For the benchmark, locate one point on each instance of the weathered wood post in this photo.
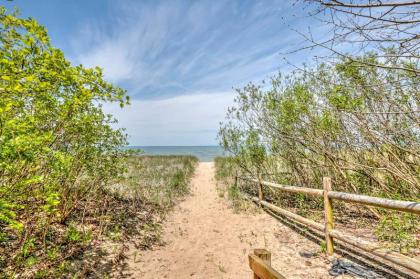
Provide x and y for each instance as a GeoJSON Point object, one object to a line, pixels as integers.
{"type": "Point", "coordinates": [260, 264]}
{"type": "Point", "coordinates": [328, 216]}
{"type": "Point", "coordinates": [236, 179]}
{"type": "Point", "coordinates": [265, 256]}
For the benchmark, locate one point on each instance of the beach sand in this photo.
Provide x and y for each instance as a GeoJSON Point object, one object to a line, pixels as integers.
{"type": "Point", "coordinates": [205, 238]}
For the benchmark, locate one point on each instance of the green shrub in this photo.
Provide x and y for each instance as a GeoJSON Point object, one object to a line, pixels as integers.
{"type": "Point", "coordinates": [348, 119]}
{"type": "Point", "coordinates": [58, 149]}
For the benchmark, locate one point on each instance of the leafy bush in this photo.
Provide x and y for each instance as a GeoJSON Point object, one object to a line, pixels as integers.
{"type": "Point", "coordinates": [58, 150]}
{"type": "Point", "coordinates": [355, 123]}
{"type": "Point", "coordinates": [349, 121]}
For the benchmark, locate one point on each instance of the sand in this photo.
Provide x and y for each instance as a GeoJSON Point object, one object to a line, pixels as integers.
{"type": "Point", "coordinates": [205, 238]}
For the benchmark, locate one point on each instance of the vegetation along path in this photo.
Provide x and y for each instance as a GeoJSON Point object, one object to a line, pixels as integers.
{"type": "Point", "coordinates": [205, 238]}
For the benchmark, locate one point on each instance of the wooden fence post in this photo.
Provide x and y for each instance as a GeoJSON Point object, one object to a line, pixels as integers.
{"type": "Point", "coordinates": [236, 179]}
{"type": "Point", "coordinates": [265, 256]}
{"type": "Point", "coordinates": [328, 216]}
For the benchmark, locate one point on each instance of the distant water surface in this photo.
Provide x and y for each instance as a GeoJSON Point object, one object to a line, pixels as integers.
{"type": "Point", "coordinates": [203, 153]}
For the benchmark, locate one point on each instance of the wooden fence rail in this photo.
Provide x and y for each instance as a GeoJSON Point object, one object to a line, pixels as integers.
{"type": "Point", "coordinates": [328, 227]}
{"type": "Point", "coordinates": [260, 264]}
{"type": "Point", "coordinates": [406, 206]}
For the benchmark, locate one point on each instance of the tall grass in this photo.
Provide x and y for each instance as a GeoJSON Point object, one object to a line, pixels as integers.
{"type": "Point", "coordinates": [157, 180]}
{"type": "Point", "coordinates": [225, 172]}
{"type": "Point", "coordinates": [94, 240]}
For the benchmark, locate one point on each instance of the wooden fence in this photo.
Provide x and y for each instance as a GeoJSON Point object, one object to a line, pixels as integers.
{"type": "Point", "coordinates": [260, 264]}
{"type": "Point", "coordinates": [327, 228]}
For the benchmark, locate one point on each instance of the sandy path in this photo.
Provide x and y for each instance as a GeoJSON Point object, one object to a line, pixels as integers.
{"type": "Point", "coordinates": [206, 239]}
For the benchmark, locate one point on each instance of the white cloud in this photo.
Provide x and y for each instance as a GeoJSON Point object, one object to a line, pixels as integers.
{"type": "Point", "coordinates": [164, 49]}
{"type": "Point", "coordinates": [182, 120]}
{"type": "Point", "coordinates": [114, 59]}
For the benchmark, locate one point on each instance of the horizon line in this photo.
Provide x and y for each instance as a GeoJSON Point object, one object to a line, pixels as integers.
{"type": "Point", "coordinates": [173, 145]}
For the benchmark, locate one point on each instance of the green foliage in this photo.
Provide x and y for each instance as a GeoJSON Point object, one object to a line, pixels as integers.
{"type": "Point", "coordinates": [179, 182]}
{"type": "Point", "coordinates": [225, 168]}
{"type": "Point", "coordinates": [72, 235]}
{"type": "Point", "coordinates": [137, 202]}
{"type": "Point", "coordinates": [58, 149]}
{"type": "Point", "coordinates": [323, 247]}
{"type": "Point", "coordinates": [235, 196]}
{"type": "Point", "coordinates": [115, 233]}
{"type": "Point", "coordinates": [351, 120]}
{"type": "Point", "coordinates": [343, 120]}
{"type": "Point", "coordinates": [28, 247]}
{"type": "Point", "coordinates": [152, 185]}
{"type": "Point", "coordinates": [225, 171]}
{"type": "Point", "coordinates": [399, 230]}
{"type": "Point", "coordinates": [158, 180]}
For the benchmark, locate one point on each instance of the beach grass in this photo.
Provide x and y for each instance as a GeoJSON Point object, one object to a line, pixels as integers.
{"type": "Point", "coordinates": [93, 241]}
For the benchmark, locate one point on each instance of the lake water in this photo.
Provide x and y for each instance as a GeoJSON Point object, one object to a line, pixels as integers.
{"type": "Point", "coordinates": [203, 153]}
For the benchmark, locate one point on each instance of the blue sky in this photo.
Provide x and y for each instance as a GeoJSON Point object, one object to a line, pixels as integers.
{"type": "Point", "coordinates": [178, 60]}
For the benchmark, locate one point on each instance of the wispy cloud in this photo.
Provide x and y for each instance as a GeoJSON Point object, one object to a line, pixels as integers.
{"type": "Point", "coordinates": [181, 120]}
{"type": "Point", "coordinates": [167, 53]}
{"type": "Point", "coordinates": [178, 59]}
{"type": "Point", "coordinates": [166, 48]}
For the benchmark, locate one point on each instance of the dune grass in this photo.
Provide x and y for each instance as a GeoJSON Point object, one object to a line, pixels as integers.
{"type": "Point", "coordinates": [225, 171]}
{"type": "Point", "coordinates": [94, 240]}
{"type": "Point", "coordinates": [157, 180]}
{"type": "Point", "coordinates": [150, 188]}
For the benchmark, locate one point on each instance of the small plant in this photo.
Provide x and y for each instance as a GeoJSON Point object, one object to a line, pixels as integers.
{"type": "Point", "coordinates": [115, 233]}
{"type": "Point", "coordinates": [41, 274]}
{"type": "Point", "coordinates": [53, 254]}
{"type": "Point", "coordinates": [73, 235]}
{"type": "Point", "coordinates": [28, 247]}
{"type": "Point", "coordinates": [221, 268]}
{"type": "Point", "coordinates": [31, 261]}
{"type": "Point", "coordinates": [3, 237]}
{"type": "Point", "coordinates": [323, 247]}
